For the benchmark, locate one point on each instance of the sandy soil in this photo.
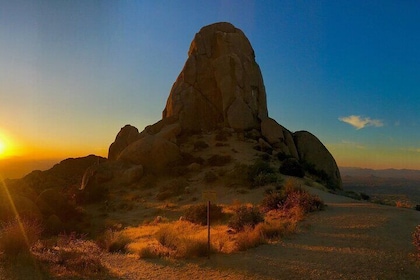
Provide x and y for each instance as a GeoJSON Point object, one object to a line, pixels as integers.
{"type": "Point", "coordinates": [350, 240]}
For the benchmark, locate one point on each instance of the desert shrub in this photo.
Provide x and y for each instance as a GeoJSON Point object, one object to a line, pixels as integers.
{"type": "Point", "coordinates": [219, 160]}
{"type": "Point", "coordinates": [282, 156]}
{"type": "Point", "coordinates": [272, 201]}
{"type": "Point", "coordinates": [303, 199]}
{"type": "Point", "coordinates": [277, 229]}
{"type": "Point", "coordinates": [402, 204]}
{"type": "Point", "coordinates": [291, 167]}
{"type": "Point", "coordinates": [200, 145]}
{"type": "Point", "coordinates": [113, 241]}
{"type": "Point", "coordinates": [364, 196]}
{"type": "Point", "coordinates": [264, 179]}
{"type": "Point", "coordinates": [245, 216]}
{"type": "Point", "coordinates": [249, 237]}
{"type": "Point", "coordinates": [261, 173]}
{"type": "Point", "coordinates": [17, 236]}
{"type": "Point", "coordinates": [416, 238]}
{"type": "Point", "coordinates": [197, 214]}
{"type": "Point", "coordinates": [210, 177]}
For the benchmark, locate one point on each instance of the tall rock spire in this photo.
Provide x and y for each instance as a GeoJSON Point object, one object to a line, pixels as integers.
{"type": "Point", "coordinates": [220, 85]}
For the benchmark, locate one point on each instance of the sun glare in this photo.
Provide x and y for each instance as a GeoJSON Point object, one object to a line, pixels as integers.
{"type": "Point", "coordinates": [2, 148]}
{"type": "Point", "coordinates": [6, 145]}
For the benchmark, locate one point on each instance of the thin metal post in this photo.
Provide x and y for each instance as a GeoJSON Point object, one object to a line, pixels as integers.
{"type": "Point", "coordinates": [208, 229]}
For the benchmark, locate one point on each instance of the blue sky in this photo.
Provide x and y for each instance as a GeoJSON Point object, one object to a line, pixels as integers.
{"type": "Point", "coordinates": [74, 72]}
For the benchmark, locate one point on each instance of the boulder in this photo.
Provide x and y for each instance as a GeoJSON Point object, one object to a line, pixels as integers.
{"type": "Point", "coordinates": [127, 135]}
{"type": "Point", "coordinates": [312, 151]}
{"type": "Point", "coordinates": [221, 83]}
{"type": "Point", "coordinates": [53, 202]}
{"type": "Point", "coordinates": [279, 137]}
{"type": "Point", "coordinates": [132, 174]}
{"type": "Point", "coordinates": [153, 152]}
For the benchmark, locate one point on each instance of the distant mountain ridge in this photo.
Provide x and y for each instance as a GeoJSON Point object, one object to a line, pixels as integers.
{"type": "Point", "coordinates": [409, 174]}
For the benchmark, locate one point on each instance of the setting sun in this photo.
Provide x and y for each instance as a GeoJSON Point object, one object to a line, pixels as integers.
{"type": "Point", "coordinates": [2, 148]}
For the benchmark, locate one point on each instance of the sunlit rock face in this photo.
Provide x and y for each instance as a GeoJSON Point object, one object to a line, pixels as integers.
{"type": "Point", "coordinates": [220, 85]}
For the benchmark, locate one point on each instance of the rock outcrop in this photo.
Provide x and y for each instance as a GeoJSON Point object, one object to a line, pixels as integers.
{"type": "Point", "coordinates": [153, 152]}
{"type": "Point", "coordinates": [127, 135]}
{"type": "Point", "coordinates": [220, 84]}
{"type": "Point", "coordinates": [312, 151]}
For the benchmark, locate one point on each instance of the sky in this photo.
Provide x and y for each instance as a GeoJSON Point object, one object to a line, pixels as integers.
{"type": "Point", "coordinates": [74, 72]}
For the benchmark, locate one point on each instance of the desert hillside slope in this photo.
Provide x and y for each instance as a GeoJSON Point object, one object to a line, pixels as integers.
{"type": "Point", "coordinates": [350, 240]}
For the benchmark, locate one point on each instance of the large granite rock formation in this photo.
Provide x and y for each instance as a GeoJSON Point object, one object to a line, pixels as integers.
{"type": "Point", "coordinates": [311, 150]}
{"type": "Point", "coordinates": [220, 85]}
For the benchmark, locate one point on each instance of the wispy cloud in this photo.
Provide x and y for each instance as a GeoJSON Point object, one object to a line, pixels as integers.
{"type": "Point", "coordinates": [411, 150]}
{"type": "Point", "coordinates": [358, 122]}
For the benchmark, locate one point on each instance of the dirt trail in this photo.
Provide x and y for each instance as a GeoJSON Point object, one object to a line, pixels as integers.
{"type": "Point", "coordinates": [350, 240]}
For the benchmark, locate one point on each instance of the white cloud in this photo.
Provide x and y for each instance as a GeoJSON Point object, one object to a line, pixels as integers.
{"type": "Point", "coordinates": [358, 122]}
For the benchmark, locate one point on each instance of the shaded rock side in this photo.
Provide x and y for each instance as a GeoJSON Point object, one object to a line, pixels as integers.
{"type": "Point", "coordinates": [152, 152]}
{"type": "Point", "coordinates": [127, 135]}
{"type": "Point", "coordinates": [221, 83]}
{"type": "Point", "coordinates": [312, 151]}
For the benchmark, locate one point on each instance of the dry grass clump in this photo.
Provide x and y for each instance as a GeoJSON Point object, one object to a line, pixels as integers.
{"type": "Point", "coordinates": [272, 230]}
{"type": "Point", "coordinates": [114, 241]}
{"type": "Point", "coordinates": [182, 239]}
{"type": "Point", "coordinates": [403, 204]}
{"type": "Point", "coordinates": [197, 214]}
{"type": "Point", "coordinates": [18, 236]}
{"type": "Point", "coordinates": [249, 237]}
{"type": "Point", "coordinates": [71, 256]}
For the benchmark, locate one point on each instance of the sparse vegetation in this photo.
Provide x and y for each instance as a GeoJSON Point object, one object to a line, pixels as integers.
{"type": "Point", "coordinates": [245, 216]}
{"type": "Point", "coordinates": [249, 237]}
{"type": "Point", "coordinates": [197, 214]}
{"type": "Point", "coordinates": [261, 173]}
{"type": "Point", "coordinates": [113, 241]}
{"type": "Point", "coordinates": [403, 204]}
{"type": "Point", "coordinates": [180, 241]}
{"type": "Point", "coordinates": [17, 236]}
{"type": "Point", "coordinates": [173, 188]}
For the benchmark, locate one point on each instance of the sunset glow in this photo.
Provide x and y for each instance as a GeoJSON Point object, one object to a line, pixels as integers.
{"type": "Point", "coordinates": [2, 148]}
{"type": "Point", "coordinates": [76, 72]}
